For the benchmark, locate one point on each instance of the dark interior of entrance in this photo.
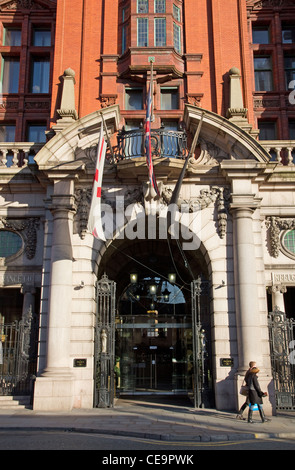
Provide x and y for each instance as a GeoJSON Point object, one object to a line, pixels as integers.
{"type": "Point", "coordinates": [154, 335]}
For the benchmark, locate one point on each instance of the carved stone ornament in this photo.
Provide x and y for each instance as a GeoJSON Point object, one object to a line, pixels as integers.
{"type": "Point", "coordinates": [210, 155]}
{"type": "Point", "coordinates": [218, 196]}
{"type": "Point", "coordinates": [28, 230]}
{"type": "Point", "coordinates": [83, 201]}
{"type": "Point", "coordinates": [215, 195]}
{"type": "Point", "coordinates": [259, 4]}
{"type": "Point", "coordinates": [107, 100]}
{"type": "Point", "coordinates": [23, 5]}
{"type": "Point", "coordinates": [275, 225]}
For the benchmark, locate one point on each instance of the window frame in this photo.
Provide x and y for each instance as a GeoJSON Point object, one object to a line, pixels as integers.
{"type": "Point", "coordinates": [165, 91]}
{"type": "Point", "coordinates": [11, 28]}
{"type": "Point", "coordinates": [286, 28]}
{"type": "Point", "coordinates": [262, 28]}
{"type": "Point", "coordinates": [8, 77]}
{"type": "Point", "coordinates": [262, 123]}
{"type": "Point", "coordinates": [266, 70]}
{"type": "Point", "coordinates": [290, 70]}
{"type": "Point", "coordinates": [156, 7]}
{"type": "Point", "coordinates": [146, 21]}
{"type": "Point", "coordinates": [177, 37]}
{"type": "Point", "coordinates": [158, 42]}
{"type": "Point", "coordinates": [138, 90]}
{"type": "Point", "coordinates": [142, 4]}
{"type": "Point", "coordinates": [34, 61]}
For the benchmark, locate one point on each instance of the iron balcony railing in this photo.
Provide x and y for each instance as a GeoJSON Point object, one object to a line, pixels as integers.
{"type": "Point", "coordinates": [164, 143]}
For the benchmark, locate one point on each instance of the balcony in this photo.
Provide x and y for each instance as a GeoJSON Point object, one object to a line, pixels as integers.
{"type": "Point", "coordinates": [164, 142]}
{"type": "Point", "coordinates": [16, 155]}
{"type": "Point", "coordinates": [280, 151]}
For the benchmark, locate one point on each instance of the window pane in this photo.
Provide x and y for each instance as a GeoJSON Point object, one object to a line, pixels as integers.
{"type": "Point", "coordinates": [267, 130]}
{"type": "Point", "coordinates": [142, 6]}
{"type": "Point", "coordinates": [142, 32]}
{"type": "Point", "coordinates": [292, 130]}
{"type": "Point", "coordinates": [10, 75]}
{"type": "Point", "coordinates": [160, 32]}
{"type": "Point", "coordinates": [10, 243]}
{"type": "Point", "coordinates": [12, 37]}
{"type": "Point", "coordinates": [133, 99]}
{"type": "Point", "coordinates": [263, 74]}
{"type": "Point", "coordinates": [133, 142]}
{"type": "Point", "coordinates": [289, 70]}
{"type": "Point", "coordinates": [169, 98]}
{"type": "Point", "coordinates": [42, 37]}
{"type": "Point", "coordinates": [170, 139]}
{"type": "Point", "coordinates": [260, 35]}
{"type": "Point", "coordinates": [124, 38]}
{"type": "Point", "coordinates": [288, 34]}
{"type": "Point", "coordinates": [176, 13]}
{"type": "Point", "coordinates": [176, 37]}
{"type": "Point", "coordinates": [7, 133]}
{"type": "Point", "coordinates": [160, 6]}
{"type": "Point", "coordinates": [36, 133]}
{"type": "Point", "coordinates": [289, 241]}
{"type": "Point", "coordinates": [40, 75]}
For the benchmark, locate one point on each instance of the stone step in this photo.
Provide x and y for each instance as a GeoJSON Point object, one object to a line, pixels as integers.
{"type": "Point", "coordinates": [14, 402]}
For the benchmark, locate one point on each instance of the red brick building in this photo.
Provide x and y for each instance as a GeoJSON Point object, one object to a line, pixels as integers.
{"type": "Point", "coordinates": [66, 65]}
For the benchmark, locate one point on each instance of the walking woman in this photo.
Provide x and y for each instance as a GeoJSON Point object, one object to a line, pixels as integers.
{"type": "Point", "coordinates": [255, 394]}
{"type": "Point", "coordinates": [246, 404]}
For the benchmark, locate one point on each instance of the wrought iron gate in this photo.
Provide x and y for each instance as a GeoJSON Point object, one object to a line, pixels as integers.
{"type": "Point", "coordinates": [18, 352]}
{"type": "Point", "coordinates": [281, 335]}
{"type": "Point", "coordinates": [202, 382]}
{"type": "Point", "coordinates": [105, 343]}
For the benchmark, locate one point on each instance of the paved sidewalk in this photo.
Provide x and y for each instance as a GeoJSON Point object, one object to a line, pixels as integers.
{"type": "Point", "coordinates": [166, 420]}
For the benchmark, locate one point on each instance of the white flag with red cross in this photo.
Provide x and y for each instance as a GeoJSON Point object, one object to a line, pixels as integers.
{"type": "Point", "coordinates": [95, 220]}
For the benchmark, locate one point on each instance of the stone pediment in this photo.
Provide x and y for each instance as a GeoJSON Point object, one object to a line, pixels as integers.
{"type": "Point", "coordinates": [11, 5]}
{"type": "Point", "coordinates": [221, 139]}
{"type": "Point", "coordinates": [71, 147]}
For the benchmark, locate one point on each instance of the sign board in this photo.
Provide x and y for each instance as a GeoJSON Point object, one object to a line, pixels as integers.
{"type": "Point", "coordinates": [226, 362]}
{"type": "Point", "coordinates": [80, 362]}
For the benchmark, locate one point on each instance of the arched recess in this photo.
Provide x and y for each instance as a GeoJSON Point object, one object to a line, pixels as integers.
{"type": "Point", "coordinates": [159, 358]}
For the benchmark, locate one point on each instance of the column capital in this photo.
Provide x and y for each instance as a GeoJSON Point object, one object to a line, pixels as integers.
{"type": "Point", "coordinates": [62, 203]}
{"type": "Point", "coordinates": [277, 288]}
{"type": "Point", "coordinates": [245, 202]}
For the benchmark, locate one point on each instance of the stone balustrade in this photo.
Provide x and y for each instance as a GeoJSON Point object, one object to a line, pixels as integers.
{"type": "Point", "coordinates": [15, 155]}
{"type": "Point", "coordinates": [281, 151]}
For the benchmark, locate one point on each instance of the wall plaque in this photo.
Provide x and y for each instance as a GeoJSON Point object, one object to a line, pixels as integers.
{"type": "Point", "coordinates": [80, 362]}
{"type": "Point", "coordinates": [226, 362]}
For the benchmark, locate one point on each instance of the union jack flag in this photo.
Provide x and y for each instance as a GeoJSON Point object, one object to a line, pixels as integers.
{"type": "Point", "coordinates": [148, 145]}
{"type": "Point", "coordinates": [94, 221]}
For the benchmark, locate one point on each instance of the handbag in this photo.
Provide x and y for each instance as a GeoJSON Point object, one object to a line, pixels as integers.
{"type": "Point", "coordinates": [244, 390]}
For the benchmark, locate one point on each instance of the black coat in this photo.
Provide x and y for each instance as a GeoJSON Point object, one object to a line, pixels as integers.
{"type": "Point", "coordinates": [255, 393]}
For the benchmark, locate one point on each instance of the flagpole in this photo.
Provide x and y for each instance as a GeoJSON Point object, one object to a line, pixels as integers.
{"type": "Point", "coordinates": [107, 136]}
{"type": "Point", "coordinates": [175, 195]}
{"type": "Point", "coordinates": [151, 61]}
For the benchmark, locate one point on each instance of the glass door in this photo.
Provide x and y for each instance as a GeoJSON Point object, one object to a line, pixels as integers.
{"type": "Point", "coordinates": [154, 351]}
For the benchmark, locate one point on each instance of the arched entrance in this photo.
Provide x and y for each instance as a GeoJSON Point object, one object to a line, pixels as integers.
{"type": "Point", "coordinates": [162, 330]}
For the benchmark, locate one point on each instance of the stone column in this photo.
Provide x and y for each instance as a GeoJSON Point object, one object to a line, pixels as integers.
{"type": "Point", "coordinates": [246, 292]}
{"type": "Point", "coordinates": [53, 390]}
{"type": "Point", "coordinates": [277, 292]}
{"type": "Point", "coordinates": [29, 299]}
